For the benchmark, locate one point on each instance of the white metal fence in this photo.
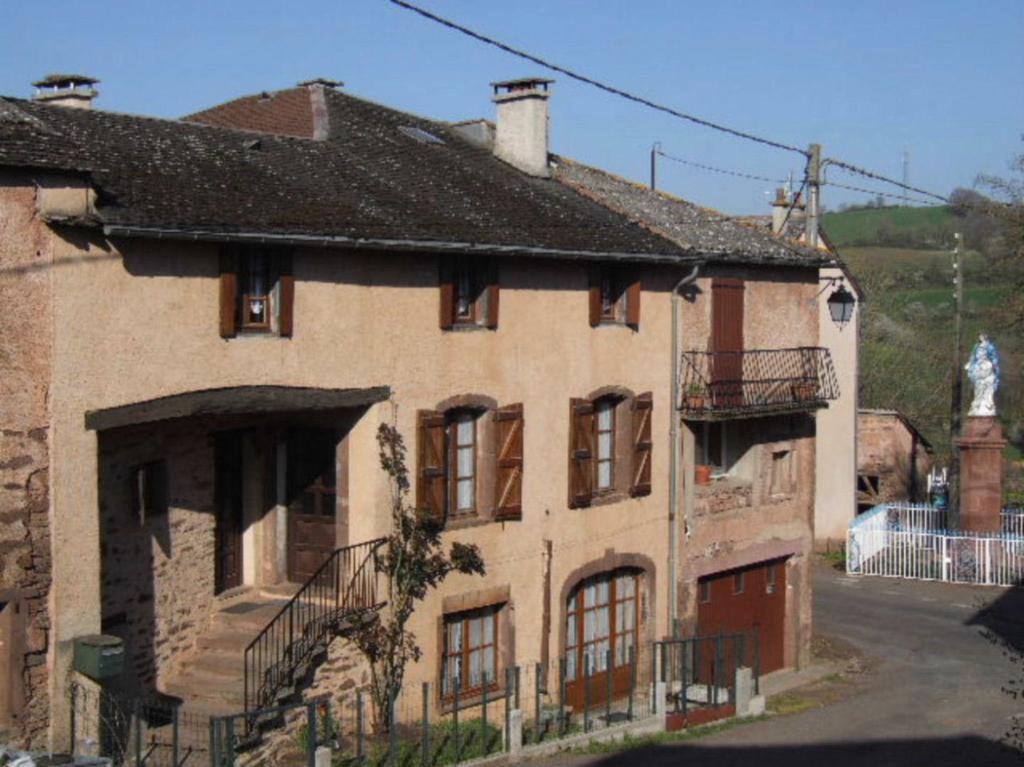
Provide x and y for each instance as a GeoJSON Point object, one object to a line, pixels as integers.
{"type": "Point", "coordinates": [914, 541]}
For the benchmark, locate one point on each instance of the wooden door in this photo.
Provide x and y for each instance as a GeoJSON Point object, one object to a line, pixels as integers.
{"type": "Point", "coordinates": [727, 341]}
{"type": "Point", "coordinates": [229, 508]}
{"type": "Point", "coordinates": [601, 638]}
{"type": "Point", "coordinates": [312, 500]}
{"type": "Point", "coordinates": [748, 600]}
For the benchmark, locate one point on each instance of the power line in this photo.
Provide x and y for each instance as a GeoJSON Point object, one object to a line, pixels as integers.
{"type": "Point", "coordinates": [713, 169]}
{"type": "Point", "coordinates": [880, 194]}
{"type": "Point", "coordinates": [878, 177]}
{"type": "Point", "coordinates": [595, 83]}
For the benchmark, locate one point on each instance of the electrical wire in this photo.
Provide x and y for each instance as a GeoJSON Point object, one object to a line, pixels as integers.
{"type": "Point", "coordinates": [713, 169]}
{"type": "Point", "coordinates": [595, 83]}
{"type": "Point", "coordinates": [878, 177]}
{"type": "Point", "coordinates": [880, 194]}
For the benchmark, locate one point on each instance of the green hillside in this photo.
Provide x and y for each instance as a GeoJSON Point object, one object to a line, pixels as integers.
{"type": "Point", "coordinates": [896, 226]}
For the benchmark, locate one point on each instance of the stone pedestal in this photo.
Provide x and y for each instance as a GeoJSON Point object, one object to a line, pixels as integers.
{"type": "Point", "coordinates": [981, 474]}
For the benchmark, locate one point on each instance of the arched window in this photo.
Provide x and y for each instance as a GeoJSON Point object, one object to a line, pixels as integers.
{"type": "Point", "coordinates": [601, 617]}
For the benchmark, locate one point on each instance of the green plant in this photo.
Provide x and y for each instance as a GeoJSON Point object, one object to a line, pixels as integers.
{"type": "Point", "coordinates": [414, 562]}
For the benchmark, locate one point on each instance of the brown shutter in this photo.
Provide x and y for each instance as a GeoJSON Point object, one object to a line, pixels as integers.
{"type": "Point", "coordinates": [446, 275]}
{"type": "Point", "coordinates": [595, 296]}
{"type": "Point", "coordinates": [727, 341]}
{"type": "Point", "coordinates": [642, 410]}
{"type": "Point", "coordinates": [286, 297]}
{"type": "Point", "coordinates": [508, 430]}
{"type": "Point", "coordinates": [581, 452]}
{"type": "Point", "coordinates": [633, 303]}
{"type": "Point", "coordinates": [228, 293]}
{"type": "Point", "coordinates": [431, 485]}
{"type": "Point", "coordinates": [491, 299]}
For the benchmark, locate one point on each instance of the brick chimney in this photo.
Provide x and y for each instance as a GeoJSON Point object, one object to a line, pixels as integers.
{"type": "Point", "coordinates": [74, 91]}
{"type": "Point", "coordinates": [521, 135]}
{"type": "Point", "coordinates": [317, 88]}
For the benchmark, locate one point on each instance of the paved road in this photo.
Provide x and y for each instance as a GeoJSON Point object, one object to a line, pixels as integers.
{"type": "Point", "coordinates": [934, 700]}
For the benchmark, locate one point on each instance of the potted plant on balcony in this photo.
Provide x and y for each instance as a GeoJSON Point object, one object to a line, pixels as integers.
{"type": "Point", "coordinates": [696, 397]}
{"type": "Point", "coordinates": [702, 474]}
{"type": "Point", "coordinates": [805, 390]}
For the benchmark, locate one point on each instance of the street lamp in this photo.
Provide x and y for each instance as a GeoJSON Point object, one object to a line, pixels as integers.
{"type": "Point", "coordinates": [840, 306]}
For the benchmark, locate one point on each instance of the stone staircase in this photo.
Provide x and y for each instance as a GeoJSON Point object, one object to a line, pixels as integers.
{"type": "Point", "coordinates": [209, 678]}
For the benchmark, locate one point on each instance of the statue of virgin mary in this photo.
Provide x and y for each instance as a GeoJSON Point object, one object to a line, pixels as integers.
{"type": "Point", "coordinates": [983, 370]}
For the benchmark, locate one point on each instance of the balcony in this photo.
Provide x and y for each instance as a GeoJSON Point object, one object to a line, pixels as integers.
{"type": "Point", "coordinates": [721, 385]}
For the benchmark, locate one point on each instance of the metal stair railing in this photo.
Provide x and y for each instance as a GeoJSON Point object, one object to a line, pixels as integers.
{"type": "Point", "coordinates": [344, 585]}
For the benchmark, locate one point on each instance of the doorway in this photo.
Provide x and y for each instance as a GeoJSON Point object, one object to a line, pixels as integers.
{"type": "Point", "coordinates": [229, 503]}
{"type": "Point", "coordinates": [312, 479]}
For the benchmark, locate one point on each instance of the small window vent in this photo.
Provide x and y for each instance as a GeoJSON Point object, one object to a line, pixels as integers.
{"type": "Point", "coordinates": [420, 135]}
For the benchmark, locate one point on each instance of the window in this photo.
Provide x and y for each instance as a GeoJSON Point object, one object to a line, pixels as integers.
{"type": "Point", "coordinates": [782, 472]}
{"type": "Point", "coordinates": [771, 579]}
{"type": "Point", "coordinates": [257, 292]}
{"type": "Point", "coordinates": [149, 490]}
{"type": "Point", "coordinates": [724, 446]}
{"type": "Point", "coordinates": [868, 492]}
{"type": "Point", "coordinates": [462, 462]}
{"type": "Point", "coordinates": [470, 661]}
{"type": "Point", "coordinates": [609, 447]}
{"type": "Point", "coordinates": [469, 293]}
{"type": "Point", "coordinates": [470, 461]}
{"type": "Point", "coordinates": [704, 587]}
{"type": "Point", "coordinates": [604, 421]}
{"type": "Point", "coordinates": [601, 624]}
{"type": "Point", "coordinates": [614, 297]}
{"type": "Point", "coordinates": [739, 582]}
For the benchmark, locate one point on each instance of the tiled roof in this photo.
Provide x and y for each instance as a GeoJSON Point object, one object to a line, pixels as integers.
{"type": "Point", "coordinates": [370, 181]}
{"type": "Point", "coordinates": [697, 229]}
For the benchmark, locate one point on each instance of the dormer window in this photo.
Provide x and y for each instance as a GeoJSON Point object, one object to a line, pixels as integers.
{"type": "Point", "coordinates": [257, 292]}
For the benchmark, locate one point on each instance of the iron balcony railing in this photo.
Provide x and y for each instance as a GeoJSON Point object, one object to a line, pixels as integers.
{"type": "Point", "coordinates": [716, 385]}
{"type": "Point", "coordinates": [344, 587]}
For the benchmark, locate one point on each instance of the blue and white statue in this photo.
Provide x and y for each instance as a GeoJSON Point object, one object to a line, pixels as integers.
{"type": "Point", "coordinates": [983, 370]}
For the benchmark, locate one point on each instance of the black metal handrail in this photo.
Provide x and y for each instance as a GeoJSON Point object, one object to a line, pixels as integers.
{"type": "Point", "coordinates": [344, 585]}
{"type": "Point", "coordinates": [715, 384]}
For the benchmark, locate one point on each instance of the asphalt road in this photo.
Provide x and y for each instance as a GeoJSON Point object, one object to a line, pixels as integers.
{"type": "Point", "coordinates": [935, 698]}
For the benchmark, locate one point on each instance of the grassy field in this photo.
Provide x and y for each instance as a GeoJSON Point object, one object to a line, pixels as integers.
{"type": "Point", "coordinates": [871, 225]}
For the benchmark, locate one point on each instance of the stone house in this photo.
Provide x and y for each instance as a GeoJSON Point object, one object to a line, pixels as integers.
{"type": "Point", "coordinates": [207, 320]}
{"type": "Point", "coordinates": [893, 459]}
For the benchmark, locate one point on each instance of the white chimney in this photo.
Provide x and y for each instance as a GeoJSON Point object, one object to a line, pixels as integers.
{"type": "Point", "coordinates": [521, 135]}
{"type": "Point", "coordinates": [66, 90]}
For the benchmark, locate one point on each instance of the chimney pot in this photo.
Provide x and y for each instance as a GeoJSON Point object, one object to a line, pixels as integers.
{"type": "Point", "coordinates": [522, 133]}
{"type": "Point", "coordinates": [66, 90]}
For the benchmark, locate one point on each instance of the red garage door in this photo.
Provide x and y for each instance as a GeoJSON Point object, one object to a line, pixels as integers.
{"type": "Point", "coordinates": [741, 600]}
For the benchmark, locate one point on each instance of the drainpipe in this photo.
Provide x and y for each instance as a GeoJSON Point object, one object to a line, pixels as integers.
{"type": "Point", "coordinates": [673, 482]}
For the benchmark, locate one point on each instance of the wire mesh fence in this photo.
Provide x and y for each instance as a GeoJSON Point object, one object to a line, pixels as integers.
{"type": "Point", "coordinates": [140, 732]}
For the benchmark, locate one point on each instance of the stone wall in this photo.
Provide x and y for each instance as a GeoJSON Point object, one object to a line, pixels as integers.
{"type": "Point", "coordinates": [889, 448]}
{"type": "Point", "coordinates": [25, 364]}
{"type": "Point", "coordinates": [157, 574]}
{"type": "Point", "coordinates": [342, 673]}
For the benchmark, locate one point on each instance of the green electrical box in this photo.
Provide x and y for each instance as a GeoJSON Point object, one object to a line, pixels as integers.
{"type": "Point", "coordinates": [99, 656]}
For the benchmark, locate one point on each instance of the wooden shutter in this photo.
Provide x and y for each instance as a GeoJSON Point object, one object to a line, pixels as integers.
{"type": "Point", "coordinates": [508, 430]}
{"type": "Point", "coordinates": [286, 294]}
{"type": "Point", "coordinates": [595, 296]}
{"type": "Point", "coordinates": [727, 341]}
{"type": "Point", "coordinates": [581, 452]}
{"type": "Point", "coordinates": [642, 410]}
{"type": "Point", "coordinates": [228, 293]}
{"type": "Point", "coordinates": [446, 279]}
{"type": "Point", "coordinates": [491, 291]}
{"type": "Point", "coordinates": [431, 484]}
{"type": "Point", "coordinates": [633, 303]}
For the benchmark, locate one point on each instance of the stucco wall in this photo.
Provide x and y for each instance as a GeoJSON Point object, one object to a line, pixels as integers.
{"type": "Point", "coordinates": [366, 320]}
{"type": "Point", "coordinates": [836, 495]}
{"type": "Point", "coordinates": [25, 359]}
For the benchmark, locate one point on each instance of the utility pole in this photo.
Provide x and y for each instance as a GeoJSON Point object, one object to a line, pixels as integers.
{"type": "Point", "coordinates": [956, 403]}
{"type": "Point", "coordinates": [813, 193]}
{"type": "Point", "coordinates": [654, 163]}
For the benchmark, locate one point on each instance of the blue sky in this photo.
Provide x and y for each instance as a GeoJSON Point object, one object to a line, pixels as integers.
{"type": "Point", "coordinates": [943, 79]}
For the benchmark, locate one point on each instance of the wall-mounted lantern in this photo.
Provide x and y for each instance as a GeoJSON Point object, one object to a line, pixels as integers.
{"type": "Point", "coordinates": [840, 306]}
